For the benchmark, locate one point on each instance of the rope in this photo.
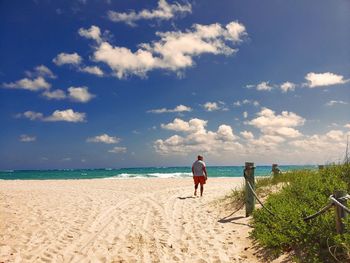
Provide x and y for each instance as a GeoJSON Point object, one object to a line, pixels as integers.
{"type": "Point", "coordinates": [336, 202]}
{"type": "Point", "coordinates": [257, 198]}
{"type": "Point", "coordinates": [333, 201]}
{"type": "Point", "coordinates": [321, 211]}
{"type": "Point", "coordinates": [345, 197]}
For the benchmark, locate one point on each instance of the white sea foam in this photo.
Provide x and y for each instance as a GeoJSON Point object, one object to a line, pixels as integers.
{"type": "Point", "coordinates": [150, 175]}
{"type": "Point", "coordinates": [170, 175]}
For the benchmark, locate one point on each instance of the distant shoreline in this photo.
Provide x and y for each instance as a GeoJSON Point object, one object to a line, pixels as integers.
{"type": "Point", "coordinates": [136, 173]}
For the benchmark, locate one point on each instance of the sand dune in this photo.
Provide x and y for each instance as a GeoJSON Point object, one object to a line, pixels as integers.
{"type": "Point", "coordinates": [132, 220]}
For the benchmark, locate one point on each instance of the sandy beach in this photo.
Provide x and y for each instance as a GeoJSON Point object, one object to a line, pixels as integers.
{"type": "Point", "coordinates": [124, 220]}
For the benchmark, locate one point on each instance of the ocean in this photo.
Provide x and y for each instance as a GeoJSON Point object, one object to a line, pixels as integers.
{"type": "Point", "coordinates": [147, 172]}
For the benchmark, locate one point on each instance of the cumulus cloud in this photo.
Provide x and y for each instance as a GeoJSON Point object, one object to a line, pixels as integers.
{"type": "Point", "coordinates": [65, 115]}
{"type": "Point", "coordinates": [104, 138]}
{"type": "Point", "coordinates": [225, 133]}
{"type": "Point", "coordinates": [179, 108]}
{"type": "Point", "coordinates": [93, 32]}
{"type": "Point", "coordinates": [211, 106]}
{"type": "Point", "coordinates": [40, 71]}
{"type": "Point", "coordinates": [31, 115]}
{"type": "Point", "coordinates": [164, 11]}
{"type": "Point", "coordinates": [29, 84]}
{"type": "Point", "coordinates": [65, 58]}
{"type": "Point", "coordinates": [77, 94]}
{"type": "Point", "coordinates": [95, 70]}
{"type": "Point", "coordinates": [264, 86]}
{"type": "Point", "coordinates": [174, 51]}
{"type": "Point", "coordinates": [196, 138]}
{"type": "Point", "coordinates": [279, 125]}
{"type": "Point", "coordinates": [276, 137]}
{"type": "Point", "coordinates": [247, 135]}
{"type": "Point", "coordinates": [334, 102]}
{"type": "Point", "coordinates": [214, 106]}
{"type": "Point", "coordinates": [324, 79]}
{"type": "Point", "coordinates": [118, 149]}
{"type": "Point", "coordinates": [287, 86]}
{"type": "Point", "coordinates": [55, 94]}
{"type": "Point", "coordinates": [194, 125]}
{"type": "Point", "coordinates": [80, 94]}
{"type": "Point", "coordinates": [27, 138]}
{"type": "Point", "coordinates": [245, 114]}
{"type": "Point", "coordinates": [328, 144]}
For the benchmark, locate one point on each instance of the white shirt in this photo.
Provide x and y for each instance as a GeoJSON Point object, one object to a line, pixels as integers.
{"type": "Point", "coordinates": [198, 168]}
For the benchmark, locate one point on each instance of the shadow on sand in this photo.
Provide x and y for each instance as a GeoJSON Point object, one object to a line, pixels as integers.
{"type": "Point", "coordinates": [185, 197]}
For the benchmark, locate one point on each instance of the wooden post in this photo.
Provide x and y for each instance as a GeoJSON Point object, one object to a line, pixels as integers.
{"type": "Point", "coordinates": [340, 214]}
{"type": "Point", "coordinates": [275, 170]}
{"type": "Point", "coordinates": [249, 197]}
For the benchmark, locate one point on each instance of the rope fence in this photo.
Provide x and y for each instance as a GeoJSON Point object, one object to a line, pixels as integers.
{"type": "Point", "coordinates": [338, 200]}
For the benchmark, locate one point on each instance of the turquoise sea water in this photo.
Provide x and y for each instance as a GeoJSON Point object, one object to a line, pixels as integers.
{"type": "Point", "coordinates": [149, 172]}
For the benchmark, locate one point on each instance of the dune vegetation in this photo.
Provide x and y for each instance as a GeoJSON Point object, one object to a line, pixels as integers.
{"type": "Point", "coordinates": [292, 196]}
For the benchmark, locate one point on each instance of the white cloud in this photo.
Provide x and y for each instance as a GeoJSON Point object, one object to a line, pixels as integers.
{"type": "Point", "coordinates": [80, 94]}
{"type": "Point", "coordinates": [247, 135]}
{"type": "Point", "coordinates": [264, 86]}
{"type": "Point", "coordinates": [31, 115]}
{"type": "Point", "coordinates": [246, 102]}
{"type": "Point", "coordinates": [93, 32]}
{"type": "Point", "coordinates": [65, 115]}
{"type": "Point", "coordinates": [44, 71]}
{"type": "Point", "coordinates": [179, 108]}
{"type": "Point", "coordinates": [211, 106]}
{"type": "Point", "coordinates": [245, 115]}
{"type": "Point", "coordinates": [225, 133]}
{"type": "Point", "coordinates": [55, 94]}
{"type": "Point", "coordinates": [196, 139]}
{"type": "Point", "coordinates": [27, 138]}
{"type": "Point", "coordinates": [268, 118]}
{"type": "Point", "coordinates": [65, 58]}
{"type": "Point", "coordinates": [281, 125]}
{"type": "Point", "coordinates": [95, 70]}
{"type": "Point", "coordinates": [164, 11]}
{"type": "Point", "coordinates": [174, 51]}
{"type": "Point", "coordinates": [104, 138]}
{"type": "Point", "coordinates": [118, 149]}
{"type": "Point", "coordinates": [334, 102]}
{"type": "Point", "coordinates": [278, 139]}
{"type": "Point", "coordinates": [328, 146]}
{"type": "Point", "coordinates": [287, 86]}
{"type": "Point", "coordinates": [324, 79]}
{"type": "Point", "coordinates": [41, 71]}
{"type": "Point", "coordinates": [28, 84]}
{"type": "Point", "coordinates": [194, 125]}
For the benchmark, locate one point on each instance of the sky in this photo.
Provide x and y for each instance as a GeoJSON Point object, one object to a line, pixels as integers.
{"type": "Point", "coordinates": [111, 84]}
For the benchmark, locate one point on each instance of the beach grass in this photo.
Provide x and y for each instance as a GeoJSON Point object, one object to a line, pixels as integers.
{"type": "Point", "coordinates": [303, 193]}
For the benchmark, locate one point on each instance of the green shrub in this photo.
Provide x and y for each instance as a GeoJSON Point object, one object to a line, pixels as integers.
{"type": "Point", "coordinates": [304, 193]}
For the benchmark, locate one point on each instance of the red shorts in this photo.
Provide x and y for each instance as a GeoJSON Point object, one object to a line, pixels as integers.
{"type": "Point", "coordinates": [199, 180]}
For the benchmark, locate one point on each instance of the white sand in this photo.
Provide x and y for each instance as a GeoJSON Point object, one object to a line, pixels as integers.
{"type": "Point", "coordinates": [131, 220]}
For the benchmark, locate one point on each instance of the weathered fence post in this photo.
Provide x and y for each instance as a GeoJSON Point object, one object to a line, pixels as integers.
{"type": "Point", "coordinates": [249, 197]}
{"type": "Point", "coordinates": [275, 170]}
{"type": "Point", "coordinates": [340, 213]}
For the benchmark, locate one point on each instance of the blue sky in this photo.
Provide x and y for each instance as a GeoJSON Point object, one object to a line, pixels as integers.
{"type": "Point", "coordinates": [88, 84]}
